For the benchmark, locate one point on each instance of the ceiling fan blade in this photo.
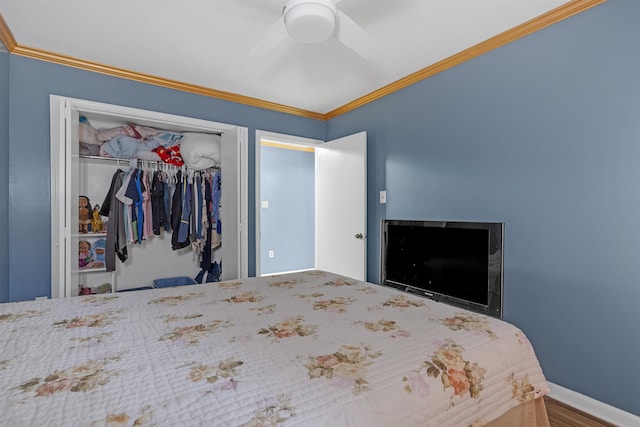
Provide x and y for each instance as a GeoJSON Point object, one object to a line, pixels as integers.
{"type": "Point", "coordinates": [272, 38]}
{"type": "Point", "coordinates": [353, 36]}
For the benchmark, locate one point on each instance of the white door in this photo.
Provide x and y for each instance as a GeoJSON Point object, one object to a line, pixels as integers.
{"type": "Point", "coordinates": [64, 217]}
{"type": "Point", "coordinates": [341, 206]}
{"type": "Point", "coordinates": [231, 211]}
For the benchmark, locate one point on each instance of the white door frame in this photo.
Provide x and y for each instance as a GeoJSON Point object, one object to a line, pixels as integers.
{"type": "Point", "coordinates": [58, 106]}
{"type": "Point", "coordinates": [279, 138]}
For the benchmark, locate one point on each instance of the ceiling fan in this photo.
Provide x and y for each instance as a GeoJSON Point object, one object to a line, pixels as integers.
{"type": "Point", "coordinates": [314, 21]}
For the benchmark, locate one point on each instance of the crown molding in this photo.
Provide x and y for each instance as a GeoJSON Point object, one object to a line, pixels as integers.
{"type": "Point", "coordinates": [553, 16]}
{"type": "Point", "coordinates": [556, 15]}
{"type": "Point", "coordinates": [9, 41]}
{"type": "Point", "coordinates": [6, 37]}
{"type": "Point", "coordinates": [158, 81]}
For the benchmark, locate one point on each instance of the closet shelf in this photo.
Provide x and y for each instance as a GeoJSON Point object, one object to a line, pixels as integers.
{"type": "Point", "coordinates": [89, 235]}
{"type": "Point", "coordinates": [142, 161]}
{"type": "Point", "coordinates": [89, 270]}
{"type": "Point", "coordinates": [111, 159]}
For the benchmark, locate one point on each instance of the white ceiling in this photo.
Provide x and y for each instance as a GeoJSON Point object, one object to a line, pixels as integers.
{"type": "Point", "coordinates": [205, 43]}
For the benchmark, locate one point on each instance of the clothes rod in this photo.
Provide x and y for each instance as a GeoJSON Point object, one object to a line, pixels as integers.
{"type": "Point", "coordinates": [142, 161]}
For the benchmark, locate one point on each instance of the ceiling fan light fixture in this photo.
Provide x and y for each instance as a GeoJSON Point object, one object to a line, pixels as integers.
{"type": "Point", "coordinates": [310, 21]}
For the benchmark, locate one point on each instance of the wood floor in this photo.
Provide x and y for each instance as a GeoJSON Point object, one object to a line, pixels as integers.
{"type": "Point", "coordinates": [563, 415]}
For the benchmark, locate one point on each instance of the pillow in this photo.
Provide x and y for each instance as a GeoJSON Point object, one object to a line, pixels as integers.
{"type": "Point", "coordinates": [200, 150]}
{"type": "Point", "coordinates": [87, 134]}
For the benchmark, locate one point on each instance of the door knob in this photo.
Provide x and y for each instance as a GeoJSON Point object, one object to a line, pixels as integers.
{"type": "Point", "coordinates": [359, 236]}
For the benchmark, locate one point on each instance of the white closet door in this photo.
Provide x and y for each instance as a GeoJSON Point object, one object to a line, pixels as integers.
{"type": "Point", "coordinates": [64, 195]}
{"type": "Point", "coordinates": [231, 213]}
{"type": "Point", "coordinates": [59, 232]}
{"type": "Point", "coordinates": [341, 206]}
{"type": "Point", "coordinates": [72, 221]}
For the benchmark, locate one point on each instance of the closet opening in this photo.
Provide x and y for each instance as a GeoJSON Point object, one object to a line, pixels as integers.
{"type": "Point", "coordinates": [198, 165]}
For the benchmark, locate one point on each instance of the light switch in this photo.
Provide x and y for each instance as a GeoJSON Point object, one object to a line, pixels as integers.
{"type": "Point", "coordinates": [383, 196]}
{"type": "Point", "coordinates": [265, 204]}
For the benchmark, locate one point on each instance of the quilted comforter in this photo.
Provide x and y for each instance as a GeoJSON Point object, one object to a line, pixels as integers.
{"type": "Point", "coordinates": [305, 349]}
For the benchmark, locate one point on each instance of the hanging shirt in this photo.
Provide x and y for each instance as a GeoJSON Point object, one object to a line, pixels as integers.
{"type": "Point", "coordinates": [139, 208]}
{"type": "Point", "coordinates": [169, 189]}
{"type": "Point", "coordinates": [205, 262]}
{"type": "Point", "coordinates": [183, 231]}
{"type": "Point", "coordinates": [146, 205]}
{"type": "Point", "coordinates": [126, 205]}
{"type": "Point", "coordinates": [199, 201]}
{"type": "Point", "coordinates": [116, 241]}
{"type": "Point", "coordinates": [133, 194]}
{"type": "Point", "coordinates": [216, 194]}
{"type": "Point", "coordinates": [196, 213]}
{"type": "Point", "coordinates": [158, 213]}
{"type": "Point", "coordinates": [176, 215]}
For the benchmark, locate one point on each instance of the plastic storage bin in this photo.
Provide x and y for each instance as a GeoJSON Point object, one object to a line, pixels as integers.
{"type": "Point", "coordinates": [173, 281]}
{"type": "Point", "coordinates": [135, 289]}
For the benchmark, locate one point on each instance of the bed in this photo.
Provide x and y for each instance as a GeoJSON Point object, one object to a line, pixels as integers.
{"type": "Point", "coordinates": [306, 349]}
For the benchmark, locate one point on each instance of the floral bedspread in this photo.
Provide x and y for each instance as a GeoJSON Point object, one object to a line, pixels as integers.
{"type": "Point", "coordinates": [305, 349]}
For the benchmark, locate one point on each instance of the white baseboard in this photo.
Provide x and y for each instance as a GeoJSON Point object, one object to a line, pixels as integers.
{"type": "Point", "coordinates": [593, 407]}
{"type": "Point", "coordinates": [286, 272]}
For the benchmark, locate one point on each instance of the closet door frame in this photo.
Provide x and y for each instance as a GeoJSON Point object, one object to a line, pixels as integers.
{"type": "Point", "coordinates": [64, 138]}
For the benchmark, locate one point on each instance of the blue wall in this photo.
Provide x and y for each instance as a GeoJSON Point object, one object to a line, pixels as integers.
{"type": "Point", "coordinates": [30, 83]}
{"type": "Point", "coordinates": [543, 134]}
{"type": "Point", "coordinates": [4, 177]}
{"type": "Point", "coordinates": [287, 182]}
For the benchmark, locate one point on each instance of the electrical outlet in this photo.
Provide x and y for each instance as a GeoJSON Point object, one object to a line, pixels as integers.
{"type": "Point", "coordinates": [270, 254]}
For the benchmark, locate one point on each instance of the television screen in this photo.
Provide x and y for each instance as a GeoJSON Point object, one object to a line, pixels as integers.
{"type": "Point", "coordinates": [454, 262]}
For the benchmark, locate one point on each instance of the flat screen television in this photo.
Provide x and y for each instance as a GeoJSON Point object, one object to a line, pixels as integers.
{"type": "Point", "coordinates": [454, 262]}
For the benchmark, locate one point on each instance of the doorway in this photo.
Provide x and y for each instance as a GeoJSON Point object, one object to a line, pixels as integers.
{"type": "Point", "coordinates": [285, 203]}
{"type": "Point", "coordinates": [340, 201]}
